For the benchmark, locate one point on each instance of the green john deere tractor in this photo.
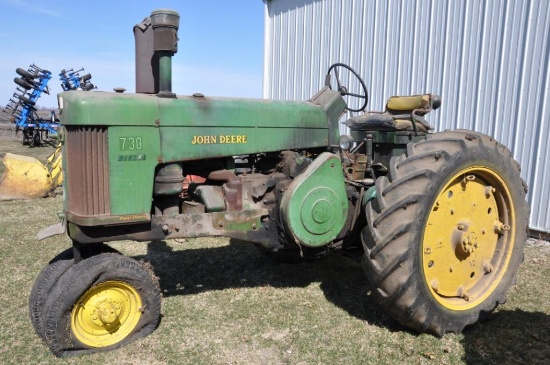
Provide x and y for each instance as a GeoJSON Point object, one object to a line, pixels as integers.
{"type": "Point", "coordinates": [439, 218]}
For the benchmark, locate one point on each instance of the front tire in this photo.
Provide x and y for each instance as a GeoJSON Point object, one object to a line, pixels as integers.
{"type": "Point", "coordinates": [43, 285]}
{"type": "Point", "coordinates": [446, 231]}
{"type": "Point", "coordinates": [100, 304]}
{"type": "Point", "coordinates": [49, 276]}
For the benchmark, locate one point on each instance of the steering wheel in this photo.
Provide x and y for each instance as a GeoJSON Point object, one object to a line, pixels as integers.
{"type": "Point", "coordinates": [342, 89]}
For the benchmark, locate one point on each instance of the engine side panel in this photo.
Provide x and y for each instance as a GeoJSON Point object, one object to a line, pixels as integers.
{"type": "Point", "coordinates": [315, 205]}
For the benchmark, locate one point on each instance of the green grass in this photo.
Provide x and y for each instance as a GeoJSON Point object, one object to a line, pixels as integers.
{"type": "Point", "coordinates": [225, 303]}
{"type": "Point", "coordinates": [40, 152]}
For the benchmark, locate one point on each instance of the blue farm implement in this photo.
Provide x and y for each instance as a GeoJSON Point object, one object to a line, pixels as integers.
{"type": "Point", "coordinates": [31, 83]}
{"type": "Point", "coordinates": [71, 80]}
{"type": "Point", "coordinates": [26, 177]}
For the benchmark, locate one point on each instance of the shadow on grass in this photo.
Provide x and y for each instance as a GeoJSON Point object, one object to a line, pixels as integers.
{"type": "Point", "coordinates": [241, 265]}
{"type": "Point", "coordinates": [509, 337]}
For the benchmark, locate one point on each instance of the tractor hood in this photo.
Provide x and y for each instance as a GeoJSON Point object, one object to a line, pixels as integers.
{"type": "Point", "coordinates": [118, 109]}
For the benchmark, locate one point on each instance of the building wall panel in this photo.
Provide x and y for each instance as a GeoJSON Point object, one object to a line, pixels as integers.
{"type": "Point", "coordinates": [488, 59]}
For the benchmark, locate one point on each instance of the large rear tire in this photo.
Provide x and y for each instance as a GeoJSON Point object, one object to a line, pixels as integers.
{"type": "Point", "coordinates": [100, 304]}
{"type": "Point", "coordinates": [446, 231]}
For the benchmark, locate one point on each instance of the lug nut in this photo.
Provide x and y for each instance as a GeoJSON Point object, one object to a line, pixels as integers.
{"type": "Point", "coordinates": [487, 267]}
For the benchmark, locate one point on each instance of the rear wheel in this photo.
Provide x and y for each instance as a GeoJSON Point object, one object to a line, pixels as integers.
{"type": "Point", "coordinates": [100, 304]}
{"type": "Point", "coordinates": [446, 231]}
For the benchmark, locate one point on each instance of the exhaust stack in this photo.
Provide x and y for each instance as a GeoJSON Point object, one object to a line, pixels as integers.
{"type": "Point", "coordinates": [156, 42]}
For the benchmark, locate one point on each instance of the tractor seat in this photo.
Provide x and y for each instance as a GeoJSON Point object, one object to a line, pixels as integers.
{"type": "Point", "coordinates": [403, 113]}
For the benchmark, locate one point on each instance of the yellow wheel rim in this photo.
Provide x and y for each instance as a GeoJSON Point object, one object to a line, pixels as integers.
{"type": "Point", "coordinates": [468, 238]}
{"type": "Point", "coordinates": [106, 313]}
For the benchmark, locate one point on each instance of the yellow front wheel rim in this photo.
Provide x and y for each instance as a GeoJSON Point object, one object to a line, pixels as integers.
{"type": "Point", "coordinates": [468, 238]}
{"type": "Point", "coordinates": [106, 314]}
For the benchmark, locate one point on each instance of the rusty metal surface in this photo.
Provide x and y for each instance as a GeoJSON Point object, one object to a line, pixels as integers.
{"type": "Point", "coordinates": [233, 192]}
{"type": "Point", "coordinates": [88, 165]}
{"type": "Point", "coordinates": [223, 175]}
{"type": "Point", "coordinates": [146, 62]}
{"type": "Point", "coordinates": [244, 225]}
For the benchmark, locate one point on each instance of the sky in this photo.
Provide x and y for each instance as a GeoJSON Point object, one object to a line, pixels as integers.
{"type": "Point", "coordinates": [220, 49]}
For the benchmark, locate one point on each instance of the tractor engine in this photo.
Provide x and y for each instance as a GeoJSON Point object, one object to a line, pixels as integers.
{"type": "Point", "coordinates": [269, 195]}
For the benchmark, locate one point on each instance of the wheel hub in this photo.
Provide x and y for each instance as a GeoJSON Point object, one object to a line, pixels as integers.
{"type": "Point", "coordinates": [106, 313]}
{"type": "Point", "coordinates": [465, 238]}
{"type": "Point", "coordinates": [469, 242]}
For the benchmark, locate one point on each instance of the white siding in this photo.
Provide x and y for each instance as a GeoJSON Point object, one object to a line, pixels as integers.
{"type": "Point", "coordinates": [489, 60]}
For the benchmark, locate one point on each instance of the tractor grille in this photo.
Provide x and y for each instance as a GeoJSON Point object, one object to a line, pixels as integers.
{"type": "Point", "coordinates": [87, 164]}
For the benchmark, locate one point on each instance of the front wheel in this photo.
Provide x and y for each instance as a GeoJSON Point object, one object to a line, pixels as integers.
{"type": "Point", "coordinates": [100, 304]}
{"type": "Point", "coordinates": [49, 276]}
{"type": "Point", "coordinates": [446, 231]}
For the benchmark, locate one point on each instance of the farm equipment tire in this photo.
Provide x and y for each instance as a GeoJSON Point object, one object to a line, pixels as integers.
{"type": "Point", "coordinates": [49, 276]}
{"type": "Point", "coordinates": [100, 304]}
{"type": "Point", "coordinates": [36, 139]}
{"type": "Point", "coordinates": [85, 77]}
{"type": "Point", "coordinates": [24, 73]}
{"type": "Point", "coordinates": [23, 83]}
{"type": "Point", "coordinates": [26, 100]}
{"type": "Point", "coordinates": [446, 231]}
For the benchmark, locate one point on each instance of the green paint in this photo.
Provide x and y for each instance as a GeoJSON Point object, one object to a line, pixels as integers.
{"type": "Point", "coordinates": [369, 195]}
{"type": "Point", "coordinates": [145, 130]}
{"type": "Point", "coordinates": [315, 205]}
{"type": "Point", "coordinates": [195, 128]}
{"type": "Point", "coordinates": [165, 71]}
{"type": "Point", "coordinates": [133, 154]}
{"type": "Point", "coordinates": [111, 109]}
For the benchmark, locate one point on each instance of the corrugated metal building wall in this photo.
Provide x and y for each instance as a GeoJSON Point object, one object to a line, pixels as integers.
{"type": "Point", "coordinates": [488, 59]}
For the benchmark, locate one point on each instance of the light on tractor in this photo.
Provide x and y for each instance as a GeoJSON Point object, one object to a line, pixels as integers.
{"type": "Point", "coordinates": [346, 142]}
